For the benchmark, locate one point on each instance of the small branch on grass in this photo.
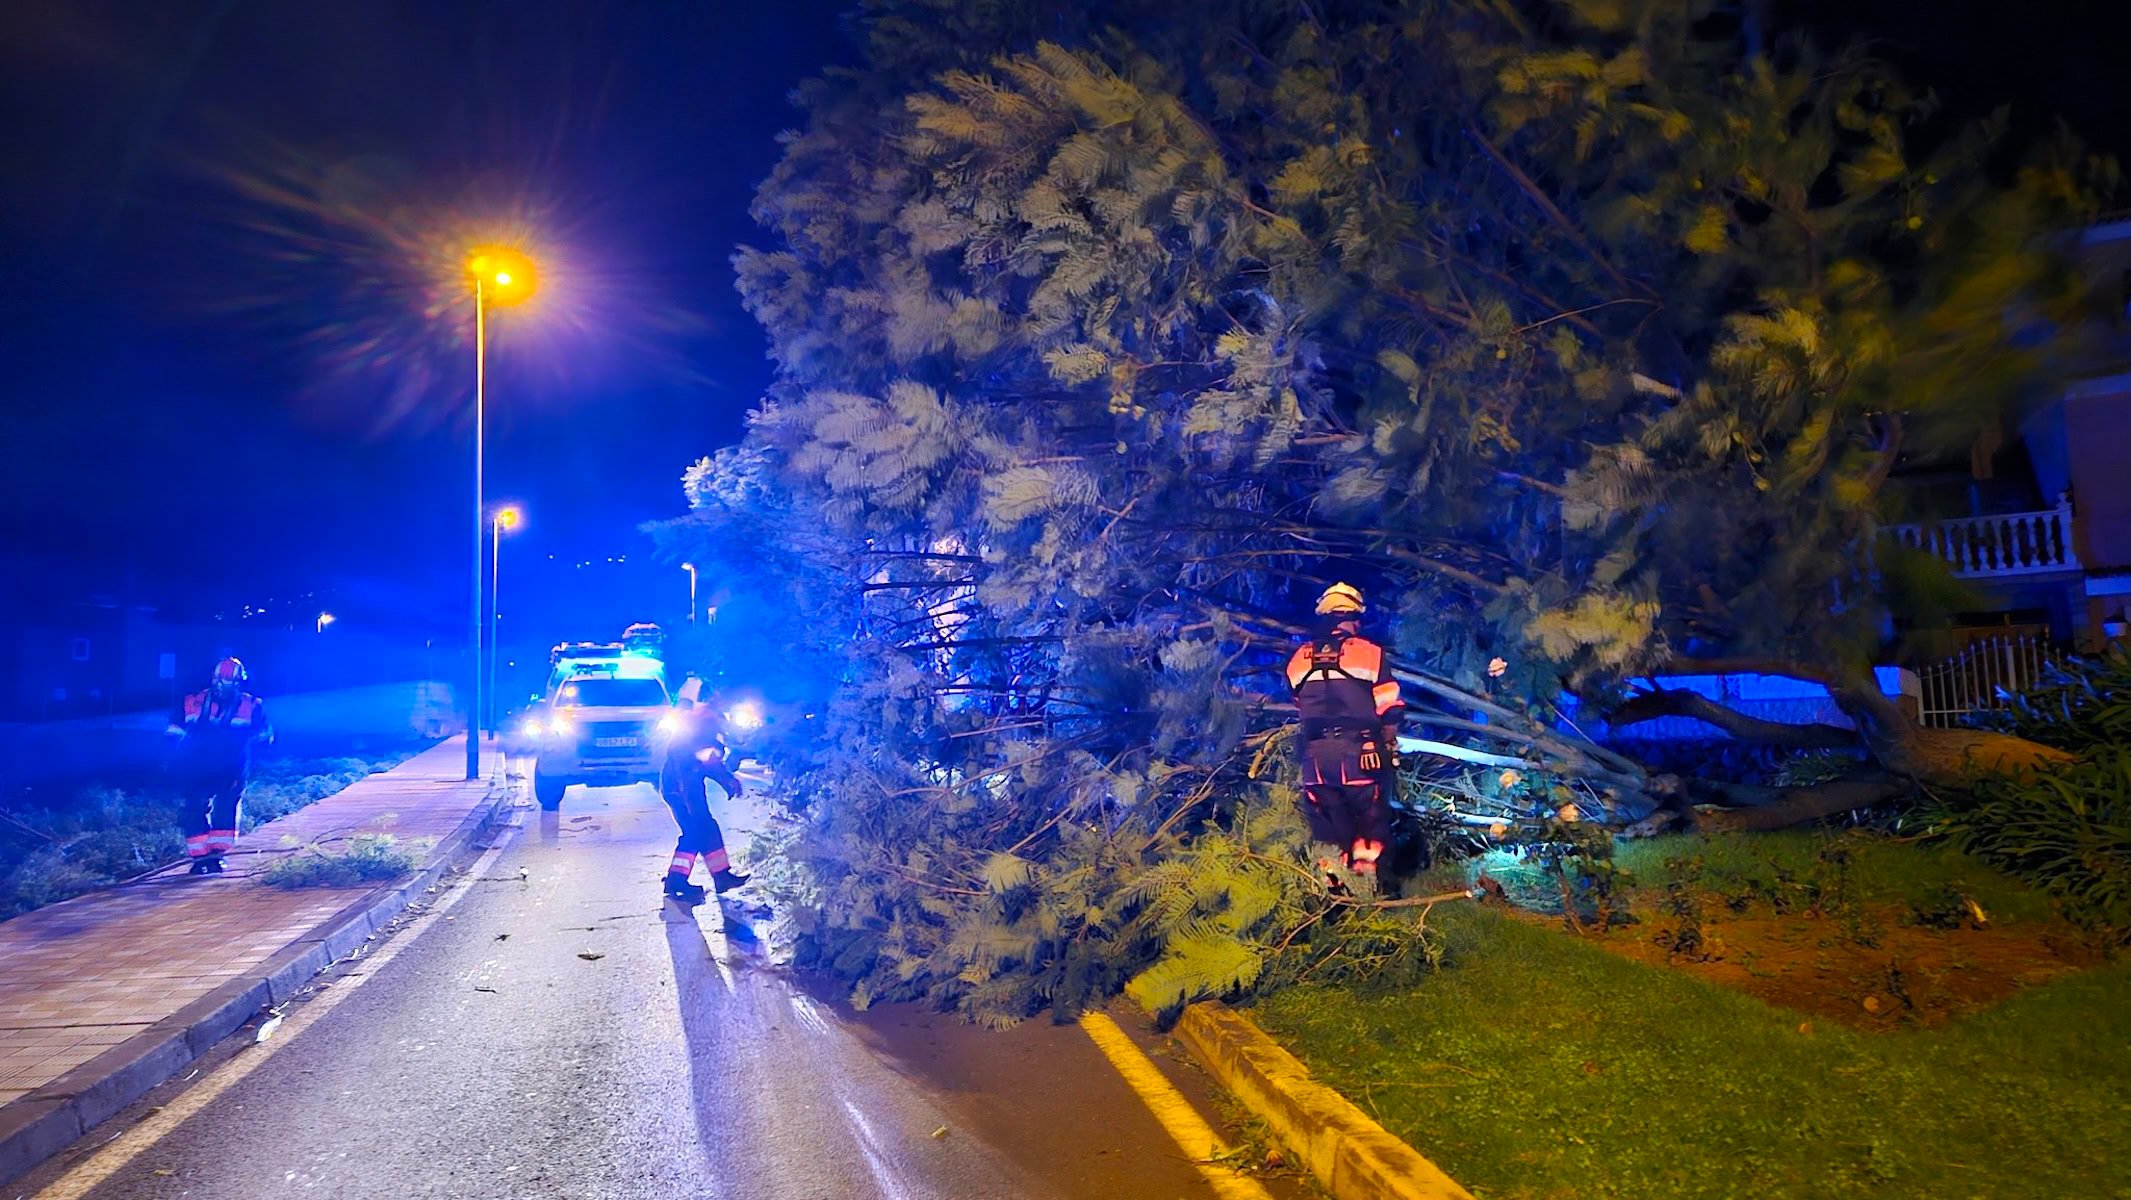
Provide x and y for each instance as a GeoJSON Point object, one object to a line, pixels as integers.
{"type": "Point", "coordinates": [1409, 902]}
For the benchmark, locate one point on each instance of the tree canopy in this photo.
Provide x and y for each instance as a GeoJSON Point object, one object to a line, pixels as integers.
{"type": "Point", "coordinates": [1584, 335]}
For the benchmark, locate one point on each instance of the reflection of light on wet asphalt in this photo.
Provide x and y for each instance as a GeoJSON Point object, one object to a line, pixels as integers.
{"type": "Point", "coordinates": [822, 1040]}
{"type": "Point", "coordinates": [891, 1181]}
{"type": "Point", "coordinates": [809, 1013]}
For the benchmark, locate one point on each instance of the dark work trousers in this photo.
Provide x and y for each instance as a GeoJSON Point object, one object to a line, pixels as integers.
{"type": "Point", "coordinates": [208, 813]}
{"type": "Point", "coordinates": [1343, 800]}
{"type": "Point", "coordinates": [688, 795]}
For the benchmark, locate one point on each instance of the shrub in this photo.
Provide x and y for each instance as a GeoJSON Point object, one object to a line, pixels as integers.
{"type": "Point", "coordinates": [48, 876]}
{"type": "Point", "coordinates": [105, 835]}
{"type": "Point", "coordinates": [2066, 830]}
{"type": "Point", "coordinates": [80, 837]}
{"type": "Point", "coordinates": [2080, 705]}
{"type": "Point", "coordinates": [367, 858]}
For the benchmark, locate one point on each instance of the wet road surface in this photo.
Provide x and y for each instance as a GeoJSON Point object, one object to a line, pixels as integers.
{"type": "Point", "coordinates": [556, 1029]}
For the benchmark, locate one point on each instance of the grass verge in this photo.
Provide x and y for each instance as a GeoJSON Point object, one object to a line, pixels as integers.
{"type": "Point", "coordinates": [1538, 1065]}
{"type": "Point", "coordinates": [59, 843]}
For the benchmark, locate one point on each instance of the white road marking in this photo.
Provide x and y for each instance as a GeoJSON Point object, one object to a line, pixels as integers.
{"type": "Point", "coordinates": [118, 1152]}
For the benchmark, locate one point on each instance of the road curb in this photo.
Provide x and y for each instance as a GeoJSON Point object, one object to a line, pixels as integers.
{"type": "Point", "coordinates": [48, 1120]}
{"type": "Point", "coordinates": [1351, 1155]}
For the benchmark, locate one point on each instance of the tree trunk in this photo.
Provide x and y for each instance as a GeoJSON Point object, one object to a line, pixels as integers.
{"type": "Point", "coordinates": [1957, 757]}
{"type": "Point", "coordinates": [1907, 752]}
{"type": "Point", "coordinates": [1675, 703]}
{"type": "Point", "coordinates": [1757, 809]}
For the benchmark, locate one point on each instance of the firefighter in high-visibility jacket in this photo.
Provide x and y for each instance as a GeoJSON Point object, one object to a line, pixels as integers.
{"type": "Point", "coordinates": [216, 730]}
{"type": "Point", "coordinates": [695, 756]}
{"type": "Point", "coordinates": [1350, 709]}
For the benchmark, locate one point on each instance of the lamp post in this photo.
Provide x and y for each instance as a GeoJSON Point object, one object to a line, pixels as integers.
{"type": "Point", "coordinates": [506, 518]}
{"type": "Point", "coordinates": [691, 569]}
{"type": "Point", "coordinates": [500, 276]}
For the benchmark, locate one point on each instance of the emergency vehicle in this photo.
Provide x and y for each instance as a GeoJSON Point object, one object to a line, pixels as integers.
{"type": "Point", "coordinates": [606, 717]}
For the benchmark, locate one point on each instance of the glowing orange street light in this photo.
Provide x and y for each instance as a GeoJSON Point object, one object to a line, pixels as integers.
{"type": "Point", "coordinates": [501, 276]}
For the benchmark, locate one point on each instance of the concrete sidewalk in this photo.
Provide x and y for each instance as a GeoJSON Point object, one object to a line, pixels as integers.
{"type": "Point", "coordinates": [122, 983]}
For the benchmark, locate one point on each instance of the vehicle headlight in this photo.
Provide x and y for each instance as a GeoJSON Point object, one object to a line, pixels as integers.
{"type": "Point", "coordinates": [745, 715]}
{"type": "Point", "coordinates": [531, 727]}
{"type": "Point", "coordinates": [670, 723]}
{"type": "Point", "coordinates": [559, 724]}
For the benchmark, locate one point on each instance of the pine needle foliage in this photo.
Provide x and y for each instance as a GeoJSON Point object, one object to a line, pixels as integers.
{"type": "Point", "coordinates": [1580, 334]}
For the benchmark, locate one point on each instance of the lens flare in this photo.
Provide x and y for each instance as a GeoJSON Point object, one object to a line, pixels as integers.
{"type": "Point", "coordinates": [369, 271]}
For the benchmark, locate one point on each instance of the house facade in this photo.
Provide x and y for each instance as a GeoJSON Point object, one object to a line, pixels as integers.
{"type": "Point", "coordinates": [2040, 529]}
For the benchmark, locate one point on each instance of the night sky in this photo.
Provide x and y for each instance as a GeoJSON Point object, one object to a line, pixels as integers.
{"type": "Point", "coordinates": [219, 383]}
{"type": "Point", "coordinates": [205, 383]}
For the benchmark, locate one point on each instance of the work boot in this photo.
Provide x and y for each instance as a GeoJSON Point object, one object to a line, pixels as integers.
{"type": "Point", "coordinates": [727, 880]}
{"type": "Point", "coordinates": [211, 865]}
{"type": "Point", "coordinates": [678, 887]}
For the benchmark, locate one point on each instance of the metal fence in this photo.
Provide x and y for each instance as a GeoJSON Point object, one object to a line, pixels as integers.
{"type": "Point", "coordinates": [1982, 677]}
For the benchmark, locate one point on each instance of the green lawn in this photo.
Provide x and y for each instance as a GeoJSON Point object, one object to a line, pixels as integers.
{"type": "Point", "coordinates": [1880, 869]}
{"type": "Point", "coordinates": [1867, 867]}
{"type": "Point", "coordinates": [1535, 1065]}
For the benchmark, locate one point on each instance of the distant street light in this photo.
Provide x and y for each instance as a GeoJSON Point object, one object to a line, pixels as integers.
{"type": "Point", "coordinates": [501, 276]}
{"type": "Point", "coordinates": [691, 569]}
{"type": "Point", "coordinates": [507, 517]}
{"type": "Point", "coordinates": [325, 619]}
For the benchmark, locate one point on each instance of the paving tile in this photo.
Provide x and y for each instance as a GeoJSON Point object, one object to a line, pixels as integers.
{"type": "Point", "coordinates": [79, 977]}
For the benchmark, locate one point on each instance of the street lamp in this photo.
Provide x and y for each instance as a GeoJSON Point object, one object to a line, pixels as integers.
{"type": "Point", "coordinates": [691, 569]}
{"type": "Point", "coordinates": [506, 518]}
{"type": "Point", "coordinates": [501, 276]}
{"type": "Point", "coordinates": [325, 619]}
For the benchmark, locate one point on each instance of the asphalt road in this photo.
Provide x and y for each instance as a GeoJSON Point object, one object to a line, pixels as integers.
{"type": "Point", "coordinates": [569, 1034]}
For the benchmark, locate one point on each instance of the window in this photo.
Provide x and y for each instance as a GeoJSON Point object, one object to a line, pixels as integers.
{"type": "Point", "coordinates": [611, 693]}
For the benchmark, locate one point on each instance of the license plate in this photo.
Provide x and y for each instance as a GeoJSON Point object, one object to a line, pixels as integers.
{"type": "Point", "coordinates": [608, 743]}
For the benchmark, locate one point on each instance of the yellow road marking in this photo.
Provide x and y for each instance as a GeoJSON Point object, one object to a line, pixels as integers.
{"type": "Point", "coordinates": [123, 1149]}
{"type": "Point", "coordinates": [1176, 1115]}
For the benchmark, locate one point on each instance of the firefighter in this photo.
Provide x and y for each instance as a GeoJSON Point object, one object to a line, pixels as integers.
{"type": "Point", "coordinates": [694, 757]}
{"type": "Point", "coordinates": [1350, 708]}
{"type": "Point", "coordinates": [216, 730]}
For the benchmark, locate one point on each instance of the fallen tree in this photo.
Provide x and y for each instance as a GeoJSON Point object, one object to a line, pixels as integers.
{"type": "Point", "coordinates": [1106, 340]}
{"type": "Point", "coordinates": [1897, 752]}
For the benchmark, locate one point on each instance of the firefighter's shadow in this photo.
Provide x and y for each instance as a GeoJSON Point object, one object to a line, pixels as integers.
{"type": "Point", "coordinates": [725, 1010]}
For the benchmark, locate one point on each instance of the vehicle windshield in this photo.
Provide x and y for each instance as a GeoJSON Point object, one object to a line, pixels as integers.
{"type": "Point", "coordinates": [611, 693]}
